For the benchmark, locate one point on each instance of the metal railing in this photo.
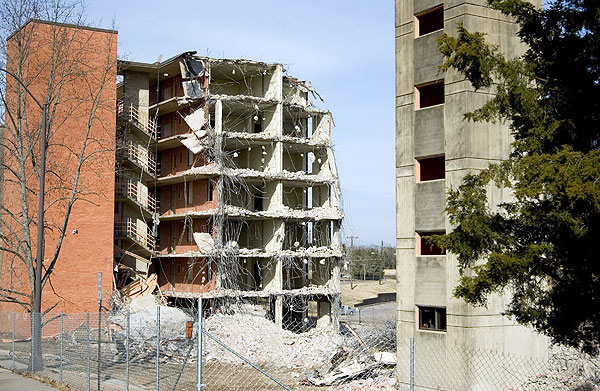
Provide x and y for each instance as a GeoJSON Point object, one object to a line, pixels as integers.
{"type": "Point", "coordinates": [138, 155]}
{"type": "Point", "coordinates": [130, 113]}
{"type": "Point", "coordinates": [129, 228]}
{"type": "Point", "coordinates": [129, 189]}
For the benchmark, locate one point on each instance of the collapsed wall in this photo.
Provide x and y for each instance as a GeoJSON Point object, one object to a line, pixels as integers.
{"type": "Point", "coordinates": [245, 192]}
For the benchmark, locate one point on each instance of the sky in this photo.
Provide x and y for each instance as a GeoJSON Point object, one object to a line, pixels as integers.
{"type": "Point", "coordinates": [345, 48]}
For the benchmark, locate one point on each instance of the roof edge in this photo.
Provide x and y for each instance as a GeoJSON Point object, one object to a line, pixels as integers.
{"type": "Point", "coordinates": [70, 25]}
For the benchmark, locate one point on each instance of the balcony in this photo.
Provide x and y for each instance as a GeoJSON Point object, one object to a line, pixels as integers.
{"type": "Point", "coordinates": [138, 156]}
{"type": "Point", "coordinates": [137, 233]}
{"type": "Point", "coordinates": [128, 190]}
{"type": "Point", "coordinates": [130, 113]}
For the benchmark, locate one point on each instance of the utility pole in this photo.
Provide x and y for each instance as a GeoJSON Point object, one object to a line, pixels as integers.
{"type": "Point", "coordinates": [350, 260]}
{"type": "Point", "coordinates": [382, 263]}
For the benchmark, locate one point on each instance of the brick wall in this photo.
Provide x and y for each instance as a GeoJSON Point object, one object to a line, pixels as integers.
{"type": "Point", "coordinates": [88, 56]}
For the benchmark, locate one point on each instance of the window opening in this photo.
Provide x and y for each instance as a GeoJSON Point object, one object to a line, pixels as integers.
{"type": "Point", "coordinates": [430, 21]}
{"type": "Point", "coordinates": [190, 195]}
{"type": "Point", "coordinates": [431, 168]}
{"type": "Point", "coordinates": [428, 95]}
{"type": "Point", "coordinates": [424, 248]}
{"type": "Point", "coordinates": [258, 202]}
{"type": "Point", "coordinates": [210, 190]}
{"type": "Point", "coordinates": [432, 318]}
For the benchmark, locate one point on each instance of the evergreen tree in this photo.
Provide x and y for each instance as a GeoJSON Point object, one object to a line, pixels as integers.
{"type": "Point", "coordinates": [541, 246]}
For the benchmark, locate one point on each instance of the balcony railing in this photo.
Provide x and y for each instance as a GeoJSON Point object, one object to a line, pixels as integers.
{"type": "Point", "coordinates": [129, 189]}
{"type": "Point", "coordinates": [129, 228]}
{"type": "Point", "coordinates": [138, 155]}
{"type": "Point", "coordinates": [130, 113]}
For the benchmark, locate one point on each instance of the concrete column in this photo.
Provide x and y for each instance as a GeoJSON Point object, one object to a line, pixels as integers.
{"type": "Point", "coordinates": [323, 314]}
{"type": "Point", "coordinates": [136, 92]}
{"type": "Point", "coordinates": [279, 311]}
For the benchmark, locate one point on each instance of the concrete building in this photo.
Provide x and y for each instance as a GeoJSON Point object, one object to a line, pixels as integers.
{"type": "Point", "coordinates": [435, 148]}
{"type": "Point", "coordinates": [212, 178]}
{"type": "Point", "coordinates": [227, 185]}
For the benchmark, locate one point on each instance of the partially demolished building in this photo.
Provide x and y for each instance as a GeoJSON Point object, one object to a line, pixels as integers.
{"type": "Point", "coordinates": [226, 186]}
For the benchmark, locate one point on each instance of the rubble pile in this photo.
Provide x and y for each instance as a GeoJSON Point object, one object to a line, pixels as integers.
{"type": "Point", "coordinates": [249, 333]}
{"type": "Point", "coordinates": [383, 383]}
{"type": "Point", "coordinates": [142, 326]}
{"type": "Point", "coordinates": [568, 370]}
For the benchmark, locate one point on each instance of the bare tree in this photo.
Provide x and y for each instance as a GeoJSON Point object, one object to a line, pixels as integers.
{"type": "Point", "coordinates": [73, 71]}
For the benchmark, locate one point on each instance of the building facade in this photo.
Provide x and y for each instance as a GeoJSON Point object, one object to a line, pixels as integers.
{"type": "Point", "coordinates": [227, 185]}
{"type": "Point", "coordinates": [435, 149]}
{"type": "Point", "coordinates": [209, 178]}
{"type": "Point", "coordinates": [72, 69]}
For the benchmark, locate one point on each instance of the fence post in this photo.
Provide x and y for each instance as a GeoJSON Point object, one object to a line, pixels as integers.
{"type": "Point", "coordinates": [127, 354]}
{"type": "Point", "coordinates": [157, 345]}
{"type": "Point", "coordinates": [88, 349]}
{"type": "Point", "coordinates": [412, 364]}
{"type": "Point", "coordinates": [199, 348]}
{"type": "Point", "coordinates": [99, 322]}
{"type": "Point", "coordinates": [13, 341]}
{"type": "Point", "coordinates": [60, 371]}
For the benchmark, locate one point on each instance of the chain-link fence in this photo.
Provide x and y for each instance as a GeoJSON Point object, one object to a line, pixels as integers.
{"type": "Point", "coordinates": [243, 349]}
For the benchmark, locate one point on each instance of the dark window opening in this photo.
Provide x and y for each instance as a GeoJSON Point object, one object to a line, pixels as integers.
{"type": "Point", "coordinates": [429, 21]}
{"type": "Point", "coordinates": [432, 318]}
{"type": "Point", "coordinates": [210, 190]}
{"type": "Point", "coordinates": [430, 94]}
{"type": "Point", "coordinates": [424, 247]}
{"type": "Point", "coordinates": [258, 203]}
{"type": "Point", "coordinates": [257, 277]}
{"type": "Point", "coordinates": [431, 168]}
{"type": "Point", "coordinates": [257, 127]}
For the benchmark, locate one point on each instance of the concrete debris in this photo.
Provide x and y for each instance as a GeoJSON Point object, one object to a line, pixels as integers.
{"type": "Point", "coordinates": [204, 241]}
{"type": "Point", "coordinates": [286, 349]}
{"type": "Point", "coordinates": [243, 99]}
{"type": "Point", "coordinates": [342, 374]}
{"type": "Point", "coordinates": [236, 61]}
{"type": "Point", "coordinates": [192, 89]}
{"type": "Point", "coordinates": [323, 177]}
{"type": "Point", "coordinates": [207, 169]}
{"type": "Point", "coordinates": [193, 144]}
{"type": "Point", "coordinates": [308, 85]}
{"type": "Point", "coordinates": [299, 176]}
{"type": "Point", "coordinates": [143, 323]}
{"type": "Point", "coordinates": [385, 358]}
{"type": "Point", "coordinates": [319, 213]}
{"type": "Point", "coordinates": [191, 68]}
{"type": "Point", "coordinates": [196, 121]}
{"type": "Point", "coordinates": [318, 140]}
{"type": "Point", "coordinates": [142, 302]}
{"type": "Point", "coordinates": [382, 383]}
{"type": "Point", "coordinates": [568, 370]}
{"type": "Point", "coordinates": [140, 287]}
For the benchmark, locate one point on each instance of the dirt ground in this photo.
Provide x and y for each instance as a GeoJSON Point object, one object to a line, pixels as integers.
{"type": "Point", "coordinates": [365, 289]}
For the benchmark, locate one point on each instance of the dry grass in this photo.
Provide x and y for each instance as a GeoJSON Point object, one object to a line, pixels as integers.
{"type": "Point", "coordinates": [365, 289]}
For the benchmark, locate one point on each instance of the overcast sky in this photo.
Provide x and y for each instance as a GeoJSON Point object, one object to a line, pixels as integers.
{"type": "Point", "coordinates": [345, 48]}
